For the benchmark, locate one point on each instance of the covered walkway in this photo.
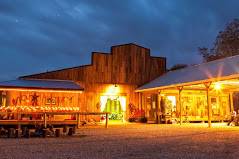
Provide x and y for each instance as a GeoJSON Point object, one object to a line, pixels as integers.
{"type": "Point", "coordinates": [196, 93]}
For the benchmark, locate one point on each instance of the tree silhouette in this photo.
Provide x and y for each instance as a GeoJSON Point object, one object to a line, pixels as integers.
{"type": "Point", "coordinates": [226, 44]}
{"type": "Point", "coordinates": [178, 66]}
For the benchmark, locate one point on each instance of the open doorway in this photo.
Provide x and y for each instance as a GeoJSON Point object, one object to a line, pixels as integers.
{"type": "Point", "coordinates": [116, 105]}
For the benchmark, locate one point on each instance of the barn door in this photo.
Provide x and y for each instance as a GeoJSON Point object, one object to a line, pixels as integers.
{"type": "Point", "coordinates": [116, 105]}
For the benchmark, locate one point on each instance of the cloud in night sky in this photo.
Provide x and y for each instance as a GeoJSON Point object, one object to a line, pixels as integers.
{"type": "Point", "coordinates": [40, 35]}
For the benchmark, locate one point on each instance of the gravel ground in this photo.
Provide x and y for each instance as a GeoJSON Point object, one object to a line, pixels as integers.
{"type": "Point", "coordinates": [133, 141]}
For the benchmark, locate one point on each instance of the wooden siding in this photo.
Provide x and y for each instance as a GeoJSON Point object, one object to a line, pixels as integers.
{"type": "Point", "coordinates": [16, 98]}
{"type": "Point", "coordinates": [126, 64]}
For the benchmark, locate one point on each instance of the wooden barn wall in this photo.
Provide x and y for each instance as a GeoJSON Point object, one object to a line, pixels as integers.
{"type": "Point", "coordinates": [127, 65]}
{"type": "Point", "coordinates": [18, 98]}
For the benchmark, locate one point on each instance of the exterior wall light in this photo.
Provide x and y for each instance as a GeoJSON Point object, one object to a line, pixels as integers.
{"type": "Point", "coordinates": [217, 86]}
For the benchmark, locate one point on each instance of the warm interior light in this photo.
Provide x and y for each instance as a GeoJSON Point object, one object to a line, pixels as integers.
{"type": "Point", "coordinates": [113, 90]}
{"type": "Point", "coordinates": [217, 86]}
{"type": "Point", "coordinates": [103, 101]}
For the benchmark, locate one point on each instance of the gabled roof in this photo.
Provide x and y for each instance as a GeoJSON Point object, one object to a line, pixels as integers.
{"type": "Point", "coordinates": [226, 68]}
{"type": "Point", "coordinates": [42, 84]}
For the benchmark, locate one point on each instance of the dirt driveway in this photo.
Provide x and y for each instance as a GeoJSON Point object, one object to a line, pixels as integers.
{"type": "Point", "coordinates": [134, 141]}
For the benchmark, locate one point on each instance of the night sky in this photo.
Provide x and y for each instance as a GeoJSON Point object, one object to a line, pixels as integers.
{"type": "Point", "coordinates": [41, 35]}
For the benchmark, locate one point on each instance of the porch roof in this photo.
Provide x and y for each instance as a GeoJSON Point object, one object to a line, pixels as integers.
{"type": "Point", "coordinates": [41, 84]}
{"type": "Point", "coordinates": [222, 69]}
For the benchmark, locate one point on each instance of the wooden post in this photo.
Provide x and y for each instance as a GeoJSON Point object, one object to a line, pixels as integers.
{"type": "Point", "coordinates": [209, 109]}
{"type": "Point", "coordinates": [18, 120]}
{"type": "Point", "coordinates": [78, 120]}
{"type": "Point", "coordinates": [207, 85]}
{"type": "Point", "coordinates": [45, 122]}
{"type": "Point", "coordinates": [140, 103]}
{"type": "Point", "coordinates": [106, 120]}
{"type": "Point", "coordinates": [179, 103]}
{"type": "Point", "coordinates": [231, 102]}
{"type": "Point", "coordinates": [158, 106]}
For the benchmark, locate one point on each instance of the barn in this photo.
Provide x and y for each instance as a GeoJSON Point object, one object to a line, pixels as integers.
{"type": "Point", "coordinates": [108, 84]}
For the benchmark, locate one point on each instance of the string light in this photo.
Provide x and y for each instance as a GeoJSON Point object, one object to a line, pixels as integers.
{"type": "Point", "coordinates": [38, 109]}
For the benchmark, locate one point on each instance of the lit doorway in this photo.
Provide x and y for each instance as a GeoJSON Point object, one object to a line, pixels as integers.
{"type": "Point", "coordinates": [116, 105]}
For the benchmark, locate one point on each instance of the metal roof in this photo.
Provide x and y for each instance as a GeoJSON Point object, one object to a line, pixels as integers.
{"type": "Point", "coordinates": [211, 71]}
{"type": "Point", "coordinates": [41, 84]}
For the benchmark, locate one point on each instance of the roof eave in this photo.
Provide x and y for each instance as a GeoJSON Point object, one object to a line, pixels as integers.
{"type": "Point", "coordinates": [189, 83]}
{"type": "Point", "coordinates": [2, 87]}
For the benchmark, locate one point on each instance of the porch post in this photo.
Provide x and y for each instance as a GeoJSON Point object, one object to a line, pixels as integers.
{"type": "Point", "coordinates": [45, 122]}
{"type": "Point", "coordinates": [140, 103]}
{"type": "Point", "coordinates": [179, 103]}
{"type": "Point", "coordinates": [107, 120]}
{"type": "Point", "coordinates": [207, 85]}
{"type": "Point", "coordinates": [78, 120]}
{"type": "Point", "coordinates": [231, 101]}
{"type": "Point", "coordinates": [18, 120]}
{"type": "Point", "coordinates": [158, 108]}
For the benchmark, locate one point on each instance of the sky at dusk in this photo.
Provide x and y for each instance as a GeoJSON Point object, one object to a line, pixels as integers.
{"type": "Point", "coordinates": [40, 35]}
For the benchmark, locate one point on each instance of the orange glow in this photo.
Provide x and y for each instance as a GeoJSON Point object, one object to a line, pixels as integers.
{"type": "Point", "coordinates": [38, 109]}
{"type": "Point", "coordinates": [112, 90]}
{"type": "Point", "coordinates": [217, 86]}
{"type": "Point", "coordinates": [103, 101]}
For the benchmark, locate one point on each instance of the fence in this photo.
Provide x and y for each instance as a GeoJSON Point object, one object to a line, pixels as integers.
{"type": "Point", "coordinates": [17, 118]}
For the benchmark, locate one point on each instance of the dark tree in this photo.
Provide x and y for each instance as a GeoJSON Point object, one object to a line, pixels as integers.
{"type": "Point", "coordinates": [226, 44]}
{"type": "Point", "coordinates": [178, 66]}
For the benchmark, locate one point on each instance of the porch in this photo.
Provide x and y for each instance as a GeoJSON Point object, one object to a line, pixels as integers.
{"type": "Point", "coordinates": [200, 93]}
